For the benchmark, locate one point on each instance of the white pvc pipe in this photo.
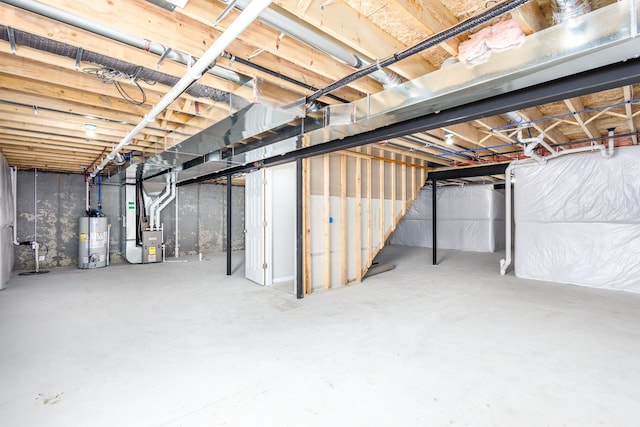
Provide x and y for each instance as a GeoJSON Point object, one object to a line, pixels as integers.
{"type": "Point", "coordinates": [156, 202]}
{"type": "Point", "coordinates": [506, 262]}
{"type": "Point", "coordinates": [607, 152]}
{"type": "Point", "coordinates": [177, 234]}
{"type": "Point", "coordinates": [194, 73]}
{"type": "Point", "coordinates": [164, 204]}
{"type": "Point", "coordinates": [86, 196]}
{"type": "Point", "coordinates": [14, 185]}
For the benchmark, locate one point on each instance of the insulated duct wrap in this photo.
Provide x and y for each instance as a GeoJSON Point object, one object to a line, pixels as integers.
{"type": "Point", "coordinates": [6, 222]}
{"type": "Point", "coordinates": [578, 220]}
{"type": "Point", "coordinates": [470, 218]}
{"type": "Point", "coordinates": [62, 49]}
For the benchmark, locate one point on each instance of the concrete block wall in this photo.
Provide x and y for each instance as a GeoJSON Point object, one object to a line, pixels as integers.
{"type": "Point", "coordinates": [59, 200]}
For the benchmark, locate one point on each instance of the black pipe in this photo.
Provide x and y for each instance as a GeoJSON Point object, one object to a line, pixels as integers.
{"type": "Point", "coordinates": [434, 228]}
{"type": "Point", "coordinates": [299, 231]}
{"type": "Point", "coordinates": [229, 225]}
{"type": "Point", "coordinates": [278, 75]}
{"type": "Point", "coordinates": [596, 80]}
{"type": "Point", "coordinates": [429, 42]}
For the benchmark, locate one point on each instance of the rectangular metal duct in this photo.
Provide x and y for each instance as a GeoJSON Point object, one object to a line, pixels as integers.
{"type": "Point", "coordinates": [255, 108]}
{"type": "Point", "coordinates": [604, 36]}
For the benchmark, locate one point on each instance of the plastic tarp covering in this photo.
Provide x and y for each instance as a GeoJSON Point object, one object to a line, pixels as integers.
{"type": "Point", "coordinates": [578, 220]}
{"type": "Point", "coordinates": [6, 222]}
{"type": "Point", "coordinates": [470, 218]}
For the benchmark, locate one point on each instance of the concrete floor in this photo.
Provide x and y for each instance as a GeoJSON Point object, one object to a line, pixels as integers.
{"type": "Point", "coordinates": [180, 344]}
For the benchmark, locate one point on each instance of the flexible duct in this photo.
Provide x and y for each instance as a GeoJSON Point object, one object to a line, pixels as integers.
{"type": "Point", "coordinates": [564, 10]}
{"type": "Point", "coordinates": [193, 73]}
{"type": "Point", "coordinates": [310, 36]}
{"type": "Point", "coordinates": [114, 34]}
{"type": "Point", "coordinates": [41, 43]}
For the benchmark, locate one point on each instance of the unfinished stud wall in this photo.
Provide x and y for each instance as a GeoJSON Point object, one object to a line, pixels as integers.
{"type": "Point", "coordinates": [60, 201]}
{"type": "Point", "coordinates": [6, 222]}
{"type": "Point", "coordinates": [355, 199]}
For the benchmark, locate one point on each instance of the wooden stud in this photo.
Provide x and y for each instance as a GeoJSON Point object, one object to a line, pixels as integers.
{"type": "Point", "coordinates": [327, 226]}
{"type": "Point", "coordinates": [358, 220]}
{"type": "Point", "coordinates": [381, 207]}
{"type": "Point", "coordinates": [306, 164]}
{"type": "Point", "coordinates": [343, 219]}
{"type": "Point", "coordinates": [369, 211]}
{"type": "Point", "coordinates": [404, 187]}
{"type": "Point", "coordinates": [393, 194]}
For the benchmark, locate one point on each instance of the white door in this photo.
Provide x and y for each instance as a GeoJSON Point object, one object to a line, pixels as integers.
{"type": "Point", "coordinates": [254, 239]}
{"type": "Point", "coordinates": [280, 207]}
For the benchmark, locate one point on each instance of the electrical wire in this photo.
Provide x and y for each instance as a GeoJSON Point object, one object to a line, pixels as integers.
{"type": "Point", "coordinates": [111, 76]}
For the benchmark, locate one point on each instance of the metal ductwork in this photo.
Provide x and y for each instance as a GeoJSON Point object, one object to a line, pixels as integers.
{"type": "Point", "coordinates": [279, 19]}
{"type": "Point", "coordinates": [556, 52]}
{"type": "Point", "coordinates": [47, 45]}
{"type": "Point", "coordinates": [564, 10]}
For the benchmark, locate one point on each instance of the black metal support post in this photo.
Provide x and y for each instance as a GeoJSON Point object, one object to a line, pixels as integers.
{"type": "Point", "coordinates": [299, 230]}
{"type": "Point", "coordinates": [434, 226]}
{"type": "Point", "coordinates": [229, 225]}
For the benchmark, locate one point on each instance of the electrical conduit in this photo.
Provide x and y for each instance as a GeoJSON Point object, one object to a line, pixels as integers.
{"type": "Point", "coordinates": [193, 73]}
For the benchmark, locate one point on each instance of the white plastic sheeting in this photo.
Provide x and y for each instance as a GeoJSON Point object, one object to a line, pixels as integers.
{"type": "Point", "coordinates": [470, 218]}
{"type": "Point", "coordinates": [6, 222]}
{"type": "Point", "coordinates": [578, 220]}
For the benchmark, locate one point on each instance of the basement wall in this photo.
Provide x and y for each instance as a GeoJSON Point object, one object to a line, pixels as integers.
{"type": "Point", "coordinates": [577, 220]}
{"type": "Point", "coordinates": [6, 222]}
{"type": "Point", "coordinates": [202, 219]}
{"type": "Point", "coordinates": [61, 201]}
{"type": "Point", "coordinates": [470, 218]}
{"type": "Point", "coordinates": [355, 199]}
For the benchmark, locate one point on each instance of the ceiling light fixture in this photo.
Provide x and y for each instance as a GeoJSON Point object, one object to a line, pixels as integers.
{"type": "Point", "coordinates": [448, 137]}
{"type": "Point", "coordinates": [91, 129]}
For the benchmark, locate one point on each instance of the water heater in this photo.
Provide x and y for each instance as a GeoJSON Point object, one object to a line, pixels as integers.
{"type": "Point", "coordinates": [93, 250]}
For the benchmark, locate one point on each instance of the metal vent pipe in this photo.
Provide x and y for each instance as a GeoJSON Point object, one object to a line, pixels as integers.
{"type": "Point", "coordinates": [310, 36]}
{"type": "Point", "coordinates": [564, 10]}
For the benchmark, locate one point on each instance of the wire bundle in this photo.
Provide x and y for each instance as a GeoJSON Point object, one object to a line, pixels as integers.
{"type": "Point", "coordinates": [111, 76]}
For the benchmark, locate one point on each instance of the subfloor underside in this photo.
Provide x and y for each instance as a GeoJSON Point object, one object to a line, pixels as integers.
{"type": "Point", "coordinates": [181, 344]}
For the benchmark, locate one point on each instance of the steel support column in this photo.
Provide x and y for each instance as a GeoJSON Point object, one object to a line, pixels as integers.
{"type": "Point", "coordinates": [229, 188]}
{"type": "Point", "coordinates": [299, 230]}
{"type": "Point", "coordinates": [434, 227]}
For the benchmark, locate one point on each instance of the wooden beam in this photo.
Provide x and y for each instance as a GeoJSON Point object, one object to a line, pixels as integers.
{"type": "Point", "coordinates": [534, 115]}
{"type": "Point", "coordinates": [350, 27]}
{"type": "Point", "coordinates": [57, 31]}
{"type": "Point", "coordinates": [530, 18]}
{"type": "Point", "coordinates": [381, 194]}
{"type": "Point", "coordinates": [576, 106]}
{"type": "Point", "coordinates": [432, 16]}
